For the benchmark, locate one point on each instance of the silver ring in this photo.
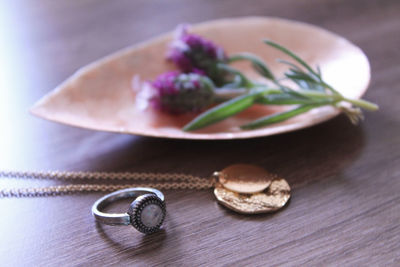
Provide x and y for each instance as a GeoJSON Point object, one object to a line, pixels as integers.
{"type": "Point", "coordinates": [146, 213]}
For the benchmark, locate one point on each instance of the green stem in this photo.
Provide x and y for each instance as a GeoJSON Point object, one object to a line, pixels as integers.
{"type": "Point", "coordinates": [278, 117]}
{"type": "Point", "coordinates": [224, 94]}
{"type": "Point", "coordinates": [362, 104]}
{"type": "Point", "coordinates": [319, 95]}
{"type": "Point", "coordinates": [313, 97]}
{"type": "Point", "coordinates": [287, 99]}
{"type": "Point", "coordinates": [338, 97]}
{"type": "Point", "coordinates": [288, 89]}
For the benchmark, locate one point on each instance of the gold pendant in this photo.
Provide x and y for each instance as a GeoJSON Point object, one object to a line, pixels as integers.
{"type": "Point", "coordinates": [249, 189]}
{"type": "Point", "coordinates": [244, 178]}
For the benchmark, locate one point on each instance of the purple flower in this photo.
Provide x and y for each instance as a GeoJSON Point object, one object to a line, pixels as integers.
{"type": "Point", "coordinates": [191, 51]}
{"type": "Point", "coordinates": [176, 92]}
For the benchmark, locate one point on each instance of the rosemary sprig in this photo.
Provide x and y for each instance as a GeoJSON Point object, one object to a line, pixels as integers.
{"type": "Point", "coordinates": [226, 109]}
{"type": "Point", "coordinates": [312, 92]}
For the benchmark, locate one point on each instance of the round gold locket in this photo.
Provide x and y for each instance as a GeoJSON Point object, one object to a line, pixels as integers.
{"type": "Point", "coordinates": [250, 189]}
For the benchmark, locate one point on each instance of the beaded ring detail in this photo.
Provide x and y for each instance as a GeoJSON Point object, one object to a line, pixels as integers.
{"type": "Point", "coordinates": [146, 213]}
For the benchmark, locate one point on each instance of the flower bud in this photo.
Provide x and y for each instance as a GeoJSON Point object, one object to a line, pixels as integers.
{"type": "Point", "coordinates": [176, 92]}
{"type": "Point", "coordinates": [190, 51]}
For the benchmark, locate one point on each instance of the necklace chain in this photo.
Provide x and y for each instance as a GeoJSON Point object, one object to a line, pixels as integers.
{"type": "Point", "coordinates": [156, 180]}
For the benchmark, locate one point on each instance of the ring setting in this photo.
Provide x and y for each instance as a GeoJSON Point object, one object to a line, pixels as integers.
{"type": "Point", "coordinates": [146, 213]}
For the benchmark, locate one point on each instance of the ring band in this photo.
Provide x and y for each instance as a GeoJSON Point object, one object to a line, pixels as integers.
{"type": "Point", "coordinates": [146, 213]}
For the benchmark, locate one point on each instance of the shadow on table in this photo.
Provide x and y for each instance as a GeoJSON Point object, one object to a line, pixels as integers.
{"type": "Point", "coordinates": [142, 241]}
{"type": "Point", "coordinates": [130, 243]}
{"type": "Point", "coordinates": [314, 153]}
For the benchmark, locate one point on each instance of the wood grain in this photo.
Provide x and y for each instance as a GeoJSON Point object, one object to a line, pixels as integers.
{"type": "Point", "coordinates": [345, 204]}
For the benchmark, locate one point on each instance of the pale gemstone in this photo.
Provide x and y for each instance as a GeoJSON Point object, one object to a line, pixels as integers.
{"type": "Point", "coordinates": [151, 215]}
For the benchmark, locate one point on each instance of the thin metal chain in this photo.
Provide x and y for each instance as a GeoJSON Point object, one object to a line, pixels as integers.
{"type": "Point", "coordinates": [157, 180]}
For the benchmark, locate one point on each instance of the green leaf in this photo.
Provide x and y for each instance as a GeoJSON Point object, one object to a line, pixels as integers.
{"type": "Point", "coordinates": [299, 76]}
{"type": "Point", "coordinates": [289, 90]}
{"type": "Point", "coordinates": [304, 80]}
{"type": "Point", "coordinates": [304, 64]}
{"type": "Point", "coordinates": [223, 111]}
{"type": "Point", "coordinates": [278, 117]}
{"type": "Point", "coordinates": [288, 63]}
{"type": "Point", "coordinates": [243, 79]}
{"type": "Point", "coordinates": [258, 64]}
{"type": "Point", "coordinates": [292, 55]}
{"type": "Point", "coordinates": [310, 86]}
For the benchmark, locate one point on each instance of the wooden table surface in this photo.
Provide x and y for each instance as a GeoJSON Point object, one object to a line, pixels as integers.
{"type": "Point", "coordinates": [345, 207]}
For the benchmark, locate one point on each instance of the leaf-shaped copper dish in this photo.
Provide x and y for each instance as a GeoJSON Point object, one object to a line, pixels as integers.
{"type": "Point", "coordinates": [100, 96]}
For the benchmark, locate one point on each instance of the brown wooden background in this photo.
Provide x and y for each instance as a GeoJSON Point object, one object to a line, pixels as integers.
{"type": "Point", "coordinates": [345, 205]}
